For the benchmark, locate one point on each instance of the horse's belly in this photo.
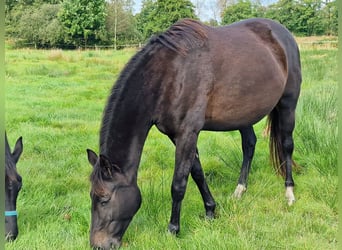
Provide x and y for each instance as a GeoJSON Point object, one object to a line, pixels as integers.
{"type": "Point", "coordinates": [242, 97]}
{"type": "Point", "coordinates": [231, 109]}
{"type": "Point", "coordinates": [233, 120]}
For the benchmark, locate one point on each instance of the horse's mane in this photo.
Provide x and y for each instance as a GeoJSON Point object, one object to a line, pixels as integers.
{"type": "Point", "coordinates": [182, 37]}
{"type": "Point", "coordinates": [185, 35]}
{"type": "Point", "coordinates": [119, 87]}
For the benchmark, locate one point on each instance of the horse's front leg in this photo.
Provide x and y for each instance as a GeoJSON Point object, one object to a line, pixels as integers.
{"type": "Point", "coordinates": [185, 155]}
{"type": "Point", "coordinates": [248, 145]}
{"type": "Point", "coordinates": [198, 176]}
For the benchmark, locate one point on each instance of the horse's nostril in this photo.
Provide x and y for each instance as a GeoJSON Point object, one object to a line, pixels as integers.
{"type": "Point", "coordinates": [10, 237]}
{"type": "Point", "coordinates": [114, 246]}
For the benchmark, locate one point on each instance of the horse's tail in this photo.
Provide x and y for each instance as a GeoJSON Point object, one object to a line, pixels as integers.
{"type": "Point", "coordinates": [276, 148]}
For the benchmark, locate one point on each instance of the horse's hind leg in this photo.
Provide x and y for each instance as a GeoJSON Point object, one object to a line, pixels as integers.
{"type": "Point", "coordinates": [287, 124]}
{"type": "Point", "coordinates": [198, 176]}
{"type": "Point", "coordinates": [248, 145]}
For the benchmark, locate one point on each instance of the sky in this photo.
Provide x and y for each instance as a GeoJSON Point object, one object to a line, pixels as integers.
{"type": "Point", "coordinates": [206, 10]}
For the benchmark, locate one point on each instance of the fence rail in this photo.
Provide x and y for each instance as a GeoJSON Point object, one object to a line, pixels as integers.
{"type": "Point", "coordinates": [317, 44]}
{"type": "Point", "coordinates": [19, 44]}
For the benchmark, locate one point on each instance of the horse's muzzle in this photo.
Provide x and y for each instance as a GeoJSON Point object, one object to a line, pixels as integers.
{"type": "Point", "coordinates": [11, 228]}
{"type": "Point", "coordinates": [101, 241]}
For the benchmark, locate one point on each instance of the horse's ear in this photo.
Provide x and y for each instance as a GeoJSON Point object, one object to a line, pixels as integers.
{"type": "Point", "coordinates": [108, 169]}
{"type": "Point", "coordinates": [18, 149]}
{"type": "Point", "coordinates": [92, 157]}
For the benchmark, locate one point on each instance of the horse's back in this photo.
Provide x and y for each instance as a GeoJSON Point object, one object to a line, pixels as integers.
{"type": "Point", "coordinates": [235, 79]}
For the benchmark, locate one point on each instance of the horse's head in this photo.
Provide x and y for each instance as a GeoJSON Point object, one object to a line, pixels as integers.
{"type": "Point", "coordinates": [114, 202]}
{"type": "Point", "coordinates": [13, 184]}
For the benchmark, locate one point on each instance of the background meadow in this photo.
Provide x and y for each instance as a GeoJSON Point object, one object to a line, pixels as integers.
{"type": "Point", "coordinates": [55, 99]}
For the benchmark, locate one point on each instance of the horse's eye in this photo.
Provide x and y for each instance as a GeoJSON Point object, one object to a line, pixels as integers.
{"type": "Point", "coordinates": [104, 200]}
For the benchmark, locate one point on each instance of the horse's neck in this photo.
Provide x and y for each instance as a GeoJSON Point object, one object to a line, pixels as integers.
{"type": "Point", "coordinates": [125, 131]}
{"type": "Point", "coordinates": [130, 111]}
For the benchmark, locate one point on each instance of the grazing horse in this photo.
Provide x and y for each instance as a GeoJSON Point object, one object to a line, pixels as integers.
{"type": "Point", "coordinates": [13, 184]}
{"type": "Point", "coordinates": [190, 78]}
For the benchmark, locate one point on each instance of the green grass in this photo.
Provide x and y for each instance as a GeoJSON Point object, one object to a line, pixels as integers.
{"type": "Point", "coordinates": [55, 99]}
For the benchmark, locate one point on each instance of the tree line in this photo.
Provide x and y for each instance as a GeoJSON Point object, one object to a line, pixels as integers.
{"type": "Point", "coordinates": [79, 23]}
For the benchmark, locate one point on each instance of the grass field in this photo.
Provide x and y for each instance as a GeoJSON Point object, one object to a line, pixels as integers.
{"type": "Point", "coordinates": [55, 99]}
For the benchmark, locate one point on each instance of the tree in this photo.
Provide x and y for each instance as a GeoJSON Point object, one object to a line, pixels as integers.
{"type": "Point", "coordinates": [243, 9]}
{"type": "Point", "coordinates": [65, 23]}
{"type": "Point", "coordinates": [330, 17]}
{"type": "Point", "coordinates": [310, 22]}
{"type": "Point", "coordinates": [158, 15]}
{"type": "Point", "coordinates": [301, 17]}
{"type": "Point", "coordinates": [83, 20]}
{"type": "Point", "coordinates": [144, 24]}
{"type": "Point", "coordinates": [39, 25]}
{"type": "Point", "coordinates": [120, 23]}
{"type": "Point", "coordinates": [16, 9]}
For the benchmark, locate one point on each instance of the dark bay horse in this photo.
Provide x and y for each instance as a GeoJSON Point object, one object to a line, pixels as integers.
{"type": "Point", "coordinates": [13, 184]}
{"type": "Point", "coordinates": [191, 78]}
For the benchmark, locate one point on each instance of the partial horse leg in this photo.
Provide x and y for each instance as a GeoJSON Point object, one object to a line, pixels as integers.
{"type": "Point", "coordinates": [287, 124]}
{"type": "Point", "coordinates": [198, 176]}
{"type": "Point", "coordinates": [185, 155]}
{"type": "Point", "coordinates": [248, 145]}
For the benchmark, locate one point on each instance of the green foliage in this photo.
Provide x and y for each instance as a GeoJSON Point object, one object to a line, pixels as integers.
{"type": "Point", "coordinates": [302, 17]}
{"type": "Point", "coordinates": [55, 99]}
{"type": "Point", "coordinates": [83, 20]}
{"type": "Point", "coordinates": [157, 15]}
{"type": "Point", "coordinates": [39, 25]}
{"type": "Point", "coordinates": [305, 17]}
{"type": "Point", "coordinates": [330, 17]}
{"type": "Point", "coordinates": [243, 9]}
{"type": "Point", "coordinates": [120, 23]}
{"type": "Point", "coordinates": [303, 14]}
{"type": "Point", "coordinates": [100, 22]}
{"type": "Point", "coordinates": [145, 26]}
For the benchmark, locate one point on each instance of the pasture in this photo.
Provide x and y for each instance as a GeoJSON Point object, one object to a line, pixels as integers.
{"type": "Point", "coordinates": [55, 99]}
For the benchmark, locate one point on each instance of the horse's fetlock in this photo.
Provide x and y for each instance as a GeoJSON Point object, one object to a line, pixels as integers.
{"type": "Point", "coordinates": [210, 206]}
{"type": "Point", "coordinates": [173, 229]}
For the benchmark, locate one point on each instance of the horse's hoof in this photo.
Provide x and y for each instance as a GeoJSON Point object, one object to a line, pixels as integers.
{"type": "Point", "coordinates": [210, 210]}
{"type": "Point", "coordinates": [290, 196]}
{"type": "Point", "coordinates": [210, 215]}
{"type": "Point", "coordinates": [173, 229]}
{"type": "Point", "coordinates": [239, 191]}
